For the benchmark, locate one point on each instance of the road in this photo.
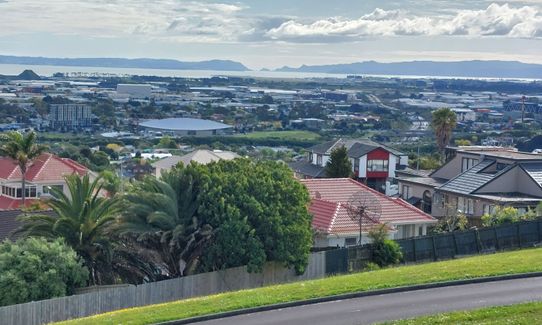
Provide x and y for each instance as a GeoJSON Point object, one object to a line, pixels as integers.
{"type": "Point", "coordinates": [369, 310]}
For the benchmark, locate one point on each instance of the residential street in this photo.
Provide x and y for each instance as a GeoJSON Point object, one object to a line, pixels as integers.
{"type": "Point", "coordinates": [369, 310]}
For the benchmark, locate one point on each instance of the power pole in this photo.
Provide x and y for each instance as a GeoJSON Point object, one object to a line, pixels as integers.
{"type": "Point", "coordinates": [522, 110]}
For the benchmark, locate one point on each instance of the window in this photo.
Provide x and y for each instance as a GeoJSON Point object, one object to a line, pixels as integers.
{"type": "Point", "coordinates": [468, 163]}
{"type": "Point", "coordinates": [465, 205]}
{"type": "Point", "coordinates": [376, 165]}
{"type": "Point", "coordinates": [311, 159]}
{"type": "Point", "coordinates": [356, 165]}
{"type": "Point", "coordinates": [405, 192]}
{"type": "Point", "coordinates": [319, 160]}
{"type": "Point", "coordinates": [489, 209]}
{"type": "Point", "coordinates": [350, 241]}
{"type": "Point", "coordinates": [46, 189]}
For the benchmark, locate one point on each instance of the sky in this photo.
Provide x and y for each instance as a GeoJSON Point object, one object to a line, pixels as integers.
{"type": "Point", "coordinates": [271, 34]}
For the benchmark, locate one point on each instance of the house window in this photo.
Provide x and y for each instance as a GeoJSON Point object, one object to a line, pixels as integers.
{"type": "Point", "coordinates": [405, 192]}
{"type": "Point", "coordinates": [356, 165]}
{"type": "Point", "coordinates": [376, 165]}
{"type": "Point", "coordinates": [311, 159]}
{"type": "Point", "coordinates": [489, 209]}
{"type": "Point", "coordinates": [47, 189]}
{"type": "Point", "coordinates": [319, 160]}
{"type": "Point", "coordinates": [465, 205]}
{"type": "Point", "coordinates": [468, 163]}
{"type": "Point", "coordinates": [350, 241]}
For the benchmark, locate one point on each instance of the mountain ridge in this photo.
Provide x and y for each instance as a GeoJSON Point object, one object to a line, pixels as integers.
{"type": "Point", "coordinates": [467, 68]}
{"type": "Point", "coordinates": [139, 63]}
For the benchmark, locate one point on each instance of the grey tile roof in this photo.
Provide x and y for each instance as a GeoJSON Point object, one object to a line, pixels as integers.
{"type": "Point", "coordinates": [534, 170]}
{"type": "Point", "coordinates": [306, 168]}
{"type": "Point", "coordinates": [472, 179]}
{"type": "Point", "coordinates": [323, 147]}
{"type": "Point", "coordinates": [9, 223]}
{"type": "Point", "coordinates": [356, 147]}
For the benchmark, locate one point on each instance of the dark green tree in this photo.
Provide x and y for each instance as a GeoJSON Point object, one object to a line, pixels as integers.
{"type": "Point", "coordinates": [339, 164]}
{"type": "Point", "coordinates": [443, 123]}
{"type": "Point", "coordinates": [34, 269]}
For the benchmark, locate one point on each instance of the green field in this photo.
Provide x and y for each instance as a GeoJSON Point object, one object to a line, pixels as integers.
{"type": "Point", "coordinates": [472, 267]}
{"type": "Point", "coordinates": [282, 135]}
{"type": "Point", "coordinates": [527, 314]}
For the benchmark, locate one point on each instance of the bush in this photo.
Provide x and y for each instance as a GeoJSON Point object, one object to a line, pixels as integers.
{"type": "Point", "coordinates": [385, 251]}
{"type": "Point", "coordinates": [506, 215]}
{"type": "Point", "coordinates": [371, 267]}
{"type": "Point", "coordinates": [34, 269]}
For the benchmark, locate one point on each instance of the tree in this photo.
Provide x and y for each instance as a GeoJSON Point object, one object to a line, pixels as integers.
{"type": "Point", "coordinates": [83, 218]}
{"type": "Point", "coordinates": [385, 251]}
{"type": "Point", "coordinates": [443, 123]}
{"type": "Point", "coordinates": [167, 142]}
{"type": "Point", "coordinates": [34, 269]}
{"type": "Point", "coordinates": [505, 215]}
{"type": "Point", "coordinates": [24, 150]}
{"type": "Point", "coordinates": [339, 165]}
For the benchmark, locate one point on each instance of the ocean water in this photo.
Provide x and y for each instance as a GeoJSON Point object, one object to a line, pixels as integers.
{"type": "Point", "coordinates": [48, 70]}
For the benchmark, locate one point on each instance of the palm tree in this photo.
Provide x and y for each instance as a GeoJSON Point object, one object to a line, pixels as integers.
{"type": "Point", "coordinates": [443, 123]}
{"type": "Point", "coordinates": [84, 219]}
{"type": "Point", "coordinates": [163, 215]}
{"type": "Point", "coordinates": [23, 149]}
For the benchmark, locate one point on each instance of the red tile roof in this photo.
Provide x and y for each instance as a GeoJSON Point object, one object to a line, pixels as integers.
{"type": "Point", "coordinates": [333, 218]}
{"type": "Point", "coordinates": [7, 203]}
{"type": "Point", "coordinates": [47, 167]}
{"type": "Point", "coordinates": [339, 190]}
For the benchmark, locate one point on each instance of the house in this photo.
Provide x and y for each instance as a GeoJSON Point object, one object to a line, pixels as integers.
{"type": "Point", "coordinates": [331, 200]}
{"type": "Point", "coordinates": [199, 156]}
{"type": "Point", "coordinates": [475, 180]}
{"type": "Point", "coordinates": [47, 171]}
{"type": "Point", "coordinates": [372, 163]}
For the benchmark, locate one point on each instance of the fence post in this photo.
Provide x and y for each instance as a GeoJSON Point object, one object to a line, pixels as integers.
{"type": "Point", "coordinates": [478, 240]}
{"type": "Point", "coordinates": [456, 250]}
{"type": "Point", "coordinates": [434, 248]}
{"type": "Point", "coordinates": [414, 249]}
{"type": "Point", "coordinates": [496, 239]}
{"type": "Point", "coordinates": [518, 235]}
{"type": "Point", "coordinates": [539, 224]}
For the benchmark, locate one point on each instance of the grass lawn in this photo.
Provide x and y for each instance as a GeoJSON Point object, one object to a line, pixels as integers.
{"type": "Point", "coordinates": [472, 267]}
{"type": "Point", "coordinates": [283, 135]}
{"type": "Point", "coordinates": [529, 313]}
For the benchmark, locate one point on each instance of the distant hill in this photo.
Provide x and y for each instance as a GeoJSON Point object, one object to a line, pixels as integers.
{"type": "Point", "coordinates": [475, 69]}
{"type": "Point", "coordinates": [25, 75]}
{"type": "Point", "coordinates": [219, 65]}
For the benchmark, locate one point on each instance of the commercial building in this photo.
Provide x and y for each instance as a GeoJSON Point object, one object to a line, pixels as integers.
{"type": "Point", "coordinates": [187, 127]}
{"type": "Point", "coordinates": [63, 117]}
{"type": "Point", "coordinates": [135, 90]}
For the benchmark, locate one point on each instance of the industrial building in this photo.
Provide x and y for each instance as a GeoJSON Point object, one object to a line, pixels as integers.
{"type": "Point", "coordinates": [187, 127]}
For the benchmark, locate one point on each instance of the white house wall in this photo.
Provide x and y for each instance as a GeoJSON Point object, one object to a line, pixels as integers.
{"type": "Point", "coordinates": [363, 166]}
{"type": "Point", "coordinates": [391, 166]}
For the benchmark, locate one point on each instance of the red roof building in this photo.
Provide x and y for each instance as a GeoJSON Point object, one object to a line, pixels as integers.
{"type": "Point", "coordinates": [45, 172]}
{"type": "Point", "coordinates": [331, 199]}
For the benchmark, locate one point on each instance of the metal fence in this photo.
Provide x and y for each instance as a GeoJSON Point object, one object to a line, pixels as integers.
{"type": "Point", "coordinates": [109, 299]}
{"type": "Point", "coordinates": [470, 242]}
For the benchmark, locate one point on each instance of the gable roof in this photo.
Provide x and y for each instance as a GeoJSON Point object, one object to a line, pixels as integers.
{"type": "Point", "coordinates": [200, 156]}
{"type": "Point", "coordinates": [470, 180]}
{"type": "Point", "coordinates": [47, 167]}
{"type": "Point", "coordinates": [333, 218]}
{"type": "Point", "coordinates": [534, 170]}
{"type": "Point", "coordinates": [340, 190]}
{"type": "Point", "coordinates": [307, 169]}
{"type": "Point", "coordinates": [356, 147]}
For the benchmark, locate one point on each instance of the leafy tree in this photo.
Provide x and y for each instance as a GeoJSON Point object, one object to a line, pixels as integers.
{"type": "Point", "coordinates": [451, 223]}
{"type": "Point", "coordinates": [35, 269]}
{"type": "Point", "coordinates": [339, 165]}
{"type": "Point", "coordinates": [83, 219]}
{"type": "Point", "coordinates": [23, 149]}
{"type": "Point", "coordinates": [463, 142]}
{"type": "Point", "coordinates": [443, 123]}
{"type": "Point", "coordinates": [167, 142]}
{"type": "Point", "coordinates": [225, 214]}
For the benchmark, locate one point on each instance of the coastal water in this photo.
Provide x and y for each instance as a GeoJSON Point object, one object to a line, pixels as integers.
{"type": "Point", "coordinates": [48, 70]}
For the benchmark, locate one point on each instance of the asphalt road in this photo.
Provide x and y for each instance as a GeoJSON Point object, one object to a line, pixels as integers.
{"type": "Point", "coordinates": [374, 309]}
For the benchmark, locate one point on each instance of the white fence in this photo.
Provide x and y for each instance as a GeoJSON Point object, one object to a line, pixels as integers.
{"type": "Point", "coordinates": [109, 299]}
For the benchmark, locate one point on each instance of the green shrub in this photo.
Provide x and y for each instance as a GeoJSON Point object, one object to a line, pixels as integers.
{"type": "Point", "coordinates": [35, 269]}
{"type": "Point", "coordinates": [506, 215]}
{"type": "Point", "coordinates": [371, 267]}
{"type": "Point", "coordinates": [385, 251]}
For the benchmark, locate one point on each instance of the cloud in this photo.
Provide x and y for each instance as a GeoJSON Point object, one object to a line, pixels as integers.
{"type": "Point", "coordinates": [177, 19]}
{"type": "Point", "coordinates": [495, 20]}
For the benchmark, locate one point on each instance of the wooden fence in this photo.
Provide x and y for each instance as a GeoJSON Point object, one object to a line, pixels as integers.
{"type": "Point", "coordinates": [109, 299]}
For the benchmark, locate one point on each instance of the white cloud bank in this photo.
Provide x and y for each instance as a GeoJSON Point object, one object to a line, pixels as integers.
{"type": "Point", "coordinates": [495, 20]}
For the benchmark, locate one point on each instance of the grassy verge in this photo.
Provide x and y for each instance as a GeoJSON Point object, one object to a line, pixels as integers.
{"type": "Point", "coordinates": [529, 313]}
{"type": "Point", "coordinates": [283, 135]}
{"type": "Point", "coordinates": [473, 267]}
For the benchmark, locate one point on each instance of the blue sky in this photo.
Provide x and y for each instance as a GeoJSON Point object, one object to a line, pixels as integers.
{"type": "Point", "coordinates": [274, 33]}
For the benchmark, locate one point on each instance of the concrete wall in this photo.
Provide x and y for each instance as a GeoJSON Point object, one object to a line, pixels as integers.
{"type": "Point", "coordinates": [59, 309]}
